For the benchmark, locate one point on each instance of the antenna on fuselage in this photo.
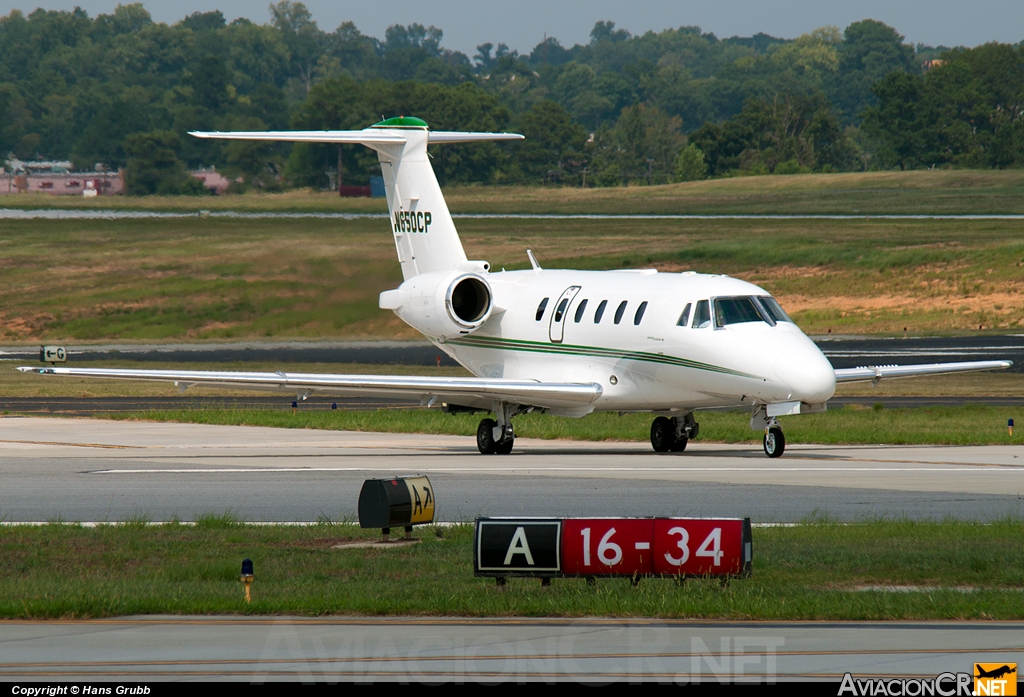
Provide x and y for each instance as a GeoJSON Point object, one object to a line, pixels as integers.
{"type": "Point", "coordinates": [533, 260]}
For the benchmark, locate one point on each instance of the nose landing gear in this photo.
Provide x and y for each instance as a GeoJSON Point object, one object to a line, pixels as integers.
{"type": "Point", "coordinates": [774, 442]}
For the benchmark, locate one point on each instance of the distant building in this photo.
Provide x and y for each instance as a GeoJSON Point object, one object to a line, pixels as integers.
{"type": "Point", "coordinates": [56, 179]}
{"type": "Point", "coordinates": [933, 63]}
{"type": "Point", "coordinates": [212, 180]}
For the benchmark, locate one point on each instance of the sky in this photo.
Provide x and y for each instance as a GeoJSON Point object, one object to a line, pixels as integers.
{"type": "Point", "coordinates": [524, 23]}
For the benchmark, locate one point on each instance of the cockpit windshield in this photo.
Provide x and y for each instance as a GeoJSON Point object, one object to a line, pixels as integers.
{"type": "Point", "coordinates": [736, 311]}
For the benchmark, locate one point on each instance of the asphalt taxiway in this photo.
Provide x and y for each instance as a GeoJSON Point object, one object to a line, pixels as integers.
{"type": "Point", "coordinates": [95, 470]}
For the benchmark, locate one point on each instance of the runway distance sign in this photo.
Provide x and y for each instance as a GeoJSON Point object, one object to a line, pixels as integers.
{"type": "Point", "coordinates": [517, 547]}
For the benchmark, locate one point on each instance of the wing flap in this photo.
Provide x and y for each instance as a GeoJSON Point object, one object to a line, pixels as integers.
{"type": "Point", "coordinates": [473, 390]}
{"type": "Point", "coordinates": [881, 372]}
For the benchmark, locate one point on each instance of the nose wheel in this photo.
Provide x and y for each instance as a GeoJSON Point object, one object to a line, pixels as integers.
{"type": "Point", "coordinates": [774, 442]}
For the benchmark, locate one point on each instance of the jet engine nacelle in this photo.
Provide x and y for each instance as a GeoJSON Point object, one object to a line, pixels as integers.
{"type": "Point", "coordinates": [442, 305]}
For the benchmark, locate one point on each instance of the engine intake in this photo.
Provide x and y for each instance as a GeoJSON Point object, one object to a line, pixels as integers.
{"type": "Point", "coordinates": [468, 301]}
{"type": "Point", "coordinates": [442, 305]}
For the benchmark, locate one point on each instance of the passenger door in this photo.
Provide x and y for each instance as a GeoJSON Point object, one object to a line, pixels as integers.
{"type": "Point", "coordinates": [556, 329]}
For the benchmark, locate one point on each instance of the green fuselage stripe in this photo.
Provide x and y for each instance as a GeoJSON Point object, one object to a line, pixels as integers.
{"type": "Point", "coordinates": [594, 351]}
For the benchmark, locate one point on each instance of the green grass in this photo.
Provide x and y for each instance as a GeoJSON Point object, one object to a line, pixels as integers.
{"type": "Point", "coordinates": [809, 572]}
{"type": "Point", "coordinates": [964, 425]}
{"type": "Point", "coordinates": [163, 280]}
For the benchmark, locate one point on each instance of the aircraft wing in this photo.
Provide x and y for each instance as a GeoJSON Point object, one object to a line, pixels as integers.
{"type": "Point", "coordinates": [880, 372]}
{"type": "Point", "coordinates": [482, 392]}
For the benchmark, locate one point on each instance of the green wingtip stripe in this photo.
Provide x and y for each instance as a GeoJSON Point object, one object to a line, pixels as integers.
{"type": "Point", "coordinates": [595, 351]}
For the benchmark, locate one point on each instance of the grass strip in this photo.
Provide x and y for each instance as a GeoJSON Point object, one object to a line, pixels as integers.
{"type": "Point", "coordinates": [813, 571]}
{"type": "Point", "coordinates": [849, 425]}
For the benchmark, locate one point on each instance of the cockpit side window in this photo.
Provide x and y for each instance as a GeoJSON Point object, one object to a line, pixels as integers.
{"type": "Point", "coordinates": [540, 308]}
{"type": "Point", "coordinates": [599, 313]}
{"type": "Point", "coordinates": [773, 309]}
{"type": "Point", "coordinates": [684, 318]}
{"type": "Point", "coordinates": [702, 315]}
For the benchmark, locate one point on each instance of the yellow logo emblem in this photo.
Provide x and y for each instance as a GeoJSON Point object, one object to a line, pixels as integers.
{"type": "Point", "coordinates": [995, 679]}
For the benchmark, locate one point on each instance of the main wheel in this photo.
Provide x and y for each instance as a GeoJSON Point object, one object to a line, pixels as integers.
{"type": "Point", "coordinates": [663, 435]}
{"type": "Point", "coordinates": [678, 444]}
{"type": "Point", "coordinates": [774, 442]}
{"type": "Point", "coordinates": [485, 437]}
{"type": "Point", "coordinates": [505, 447]}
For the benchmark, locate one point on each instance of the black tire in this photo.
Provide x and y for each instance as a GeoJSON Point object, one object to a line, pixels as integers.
{"type": "Point", "coordinates": [774, 442]}
{"type": "Point", "coordinates": [485, 437]}
{"type": "Point", "coordinates": [505, 446]}
{"type": "Point", "coordinates": [679, 444]}
{"type": "Point", "coordinates": [662, 435]}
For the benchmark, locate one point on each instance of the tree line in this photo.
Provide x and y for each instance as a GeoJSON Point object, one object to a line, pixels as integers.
{"type": "Point", "coordinates": [675, 105]}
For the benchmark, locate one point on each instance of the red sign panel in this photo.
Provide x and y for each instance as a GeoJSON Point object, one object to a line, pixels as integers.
{"type": "Point", "coordinates": [692, 546]}
{"type": "Point", "coordinates": [607, 546]}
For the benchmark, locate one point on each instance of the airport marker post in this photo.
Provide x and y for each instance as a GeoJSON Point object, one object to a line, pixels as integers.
{"type": "Point", "coordinates": [388, 503]}
{"type": "Point", "coordinates": [247, 577]}
{"type": "Point", "coordinates": [590, 548]}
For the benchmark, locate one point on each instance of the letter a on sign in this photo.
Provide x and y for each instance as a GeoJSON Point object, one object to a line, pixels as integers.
{"type": "Point", "coordinates": [519, 545]}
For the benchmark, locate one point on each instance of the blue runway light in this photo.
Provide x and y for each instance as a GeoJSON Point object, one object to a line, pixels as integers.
{"type": "Point", "coordinates": [247, 567]}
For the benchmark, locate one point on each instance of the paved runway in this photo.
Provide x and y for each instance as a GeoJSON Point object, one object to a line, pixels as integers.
{"type": "Point", "coordinates": [496, 650]}
{"type": "Point", "coordinates": [92, 470]}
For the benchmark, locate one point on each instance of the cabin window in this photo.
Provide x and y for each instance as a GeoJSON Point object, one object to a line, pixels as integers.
{"type": "Point", "coordinates": [560, 310]}
{"type": "Point", "coordinates": [684, 318]}
{"type": "Point", "coordinates": [736, 311]}
{"type": "Point", "coordinates": [600, 311]}
{"type": "Point", "coordinates": [639, 313]}
{"type": "Point", "coordinates": [702, 315]}
{"type": "Point", "coordinates": [773, 309]}
{"type": "Point", "coordinates": [619, 310]}
{"type": "Point", "coordinates": [540, 308]}
{"type": "Point", "coordinates": [580, 310]}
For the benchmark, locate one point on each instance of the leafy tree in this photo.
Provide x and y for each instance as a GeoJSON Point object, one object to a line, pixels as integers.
{"type": "Point", "coordinates": [869, 51]}
{"type": "Point", "coordinates": [690, 164]}
{"type": "Point", "coordinates": [554, 147]}
{"type": "Point", "coordinates": [154, 167]}
{"type": "Point", "coordinates": [643, 145]}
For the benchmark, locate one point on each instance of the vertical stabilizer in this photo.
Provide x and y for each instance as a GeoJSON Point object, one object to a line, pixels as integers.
{"type": "Point", "coordinates": [425, 234]}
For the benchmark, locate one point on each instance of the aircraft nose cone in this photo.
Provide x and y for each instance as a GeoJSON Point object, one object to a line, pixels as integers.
{"type": "Point", "coordinates": [807, 373]}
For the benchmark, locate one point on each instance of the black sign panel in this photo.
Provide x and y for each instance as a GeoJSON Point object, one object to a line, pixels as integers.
{"type": "Point", "coordinates": [524, 546]}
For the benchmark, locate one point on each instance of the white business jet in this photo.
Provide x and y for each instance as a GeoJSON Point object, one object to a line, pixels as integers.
{"type": "Point", "coordinates": [564, 342]}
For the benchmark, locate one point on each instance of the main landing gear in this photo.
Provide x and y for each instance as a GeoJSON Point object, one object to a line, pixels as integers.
{"type": "Point", "coordinates": [497, 437]}
{"type": "Point", "coordinates": [672, 435]}
{"type": "Point", "coordinates": [486, 442]}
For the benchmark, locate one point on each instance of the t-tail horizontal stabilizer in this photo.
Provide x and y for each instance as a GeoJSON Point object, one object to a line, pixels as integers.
{"type": "Point", "coordinates": [425, 235]}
